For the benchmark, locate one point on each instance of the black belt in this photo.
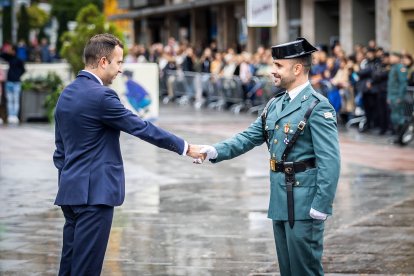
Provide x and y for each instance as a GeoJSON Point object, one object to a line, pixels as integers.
{"type": "Point", "coordinates": [289, 169]}
{"type": "Point", "coordinates": [299, 166]}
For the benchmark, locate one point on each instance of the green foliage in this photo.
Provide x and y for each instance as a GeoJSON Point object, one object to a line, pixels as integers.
{"type": "Point", "coordinates": [90, 21]}
{"type": "Point", "coordinates": [51, 84]}
{"type": "Point", "coordinates": [66, 10]}
{"type": "Point", "coordinates": [24, 26]}
{"type": "Point", "coordinates": [37, 17]}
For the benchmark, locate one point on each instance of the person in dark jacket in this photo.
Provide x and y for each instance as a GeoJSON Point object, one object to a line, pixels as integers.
{"type": "Point", "coordinates": [364, 86]}
{"type": "Point", "coordinates": [379, 86]}
{"type": "Point", "coordinates": [13, 83]}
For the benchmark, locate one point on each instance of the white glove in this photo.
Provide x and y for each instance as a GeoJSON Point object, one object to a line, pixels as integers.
{"type": "Point", "coordinates": [317, 215]}
{"type": "Point", "coordinates": [210, 151]}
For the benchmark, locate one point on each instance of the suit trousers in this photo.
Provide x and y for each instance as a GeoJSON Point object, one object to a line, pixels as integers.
{"type": "Point", "coordinates": [299, 250]}
{"type": "Point", "coordinates": [85, 238]}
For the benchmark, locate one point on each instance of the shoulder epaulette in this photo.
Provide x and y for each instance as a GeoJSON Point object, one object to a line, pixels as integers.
{"type": "Point", "coordinates": [318, 95]}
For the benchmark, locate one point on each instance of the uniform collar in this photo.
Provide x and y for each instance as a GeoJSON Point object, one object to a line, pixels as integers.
{"type": "Point", "coordinates": [295, 91]}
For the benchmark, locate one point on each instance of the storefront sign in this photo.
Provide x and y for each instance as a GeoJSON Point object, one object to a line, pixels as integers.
{"type": "Point", "coordinates": [261, 13]}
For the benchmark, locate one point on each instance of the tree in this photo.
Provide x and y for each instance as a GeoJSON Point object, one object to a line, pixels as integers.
{"type": "Point", "coordinates": [7, 26]}
{"type": "Point", "coordinates": [37, 17]}
{"type": "Point", "coordinates": [66, 10]}
{"type": "Point", "coordinates": [89, 23]}
{"type": "Point", "coordinates": [24, 24]}
{"type": "Point", "coordinates": [31, 18]}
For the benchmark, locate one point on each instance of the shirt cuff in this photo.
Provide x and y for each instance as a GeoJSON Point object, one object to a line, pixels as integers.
{"type": "Point", "coordinates": [317, 215]}
{"type": "Point", "coordinates": [185, 148]}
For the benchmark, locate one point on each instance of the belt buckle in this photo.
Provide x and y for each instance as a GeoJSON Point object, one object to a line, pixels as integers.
{"type": "Point", "coordinates": [301, 125]}
{"type": "Point", "coordinates": [289, 169]}
{"type": "Point", "coordinates": [273, 164]}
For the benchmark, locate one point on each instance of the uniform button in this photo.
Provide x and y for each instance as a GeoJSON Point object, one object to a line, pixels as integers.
{"type": "Point", "coordinates": [297, 183]}
{"type": "Point", "coordinates": [277, 126]}
{"type": "Point", "coordinates": [266, 127]}
{"type": "Point", "coordinates": [275, 141]}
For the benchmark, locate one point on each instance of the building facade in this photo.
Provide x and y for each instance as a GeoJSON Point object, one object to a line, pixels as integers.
{"type": "Point", "coordinates": [322, 22]}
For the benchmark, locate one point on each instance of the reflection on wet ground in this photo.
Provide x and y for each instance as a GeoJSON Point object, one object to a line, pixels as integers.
{"type": "Point", "coordinates": [184, 219]}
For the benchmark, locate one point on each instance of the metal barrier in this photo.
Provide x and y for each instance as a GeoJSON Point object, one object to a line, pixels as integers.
{"type": "Point", "coordinates": [216, 92]}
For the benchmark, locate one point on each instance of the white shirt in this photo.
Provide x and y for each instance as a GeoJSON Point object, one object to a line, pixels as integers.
{"type": "Point", "coordinates": [292, 94]}
{"type": "Point", "coordinates": [100, 81]}
{"type": "Point", "coordinates": [295, 91]}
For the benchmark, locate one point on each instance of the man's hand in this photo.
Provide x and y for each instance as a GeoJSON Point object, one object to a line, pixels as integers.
{"type": "Point", "coordinates": [194, 151]}
{"type": "Point", "coordinates": [207, 152]}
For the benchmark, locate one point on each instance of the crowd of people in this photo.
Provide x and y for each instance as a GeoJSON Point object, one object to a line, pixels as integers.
{"type": "Point", "coordinates": [37, 52]}
{"type": "Point", "coordinates": [356, 84]}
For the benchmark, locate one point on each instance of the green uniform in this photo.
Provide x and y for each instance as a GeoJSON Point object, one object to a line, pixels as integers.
{"type": "Point", "coordinates": [396, 89]}
{"type": "Point", "coordinates": [299, 249]}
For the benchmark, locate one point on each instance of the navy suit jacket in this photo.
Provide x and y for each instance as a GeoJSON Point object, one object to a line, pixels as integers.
{"type": "Point", "coordinates": [88, 121]}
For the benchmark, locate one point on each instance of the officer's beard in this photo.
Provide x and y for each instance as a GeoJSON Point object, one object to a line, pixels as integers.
{"type": "Point", "coordinates": [286, 82]}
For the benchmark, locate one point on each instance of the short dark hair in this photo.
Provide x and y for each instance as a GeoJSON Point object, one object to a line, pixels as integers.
{"type": "Point", "coordinates": [98, 46]}
{"type": "Point", "coordinates": [306, 61]}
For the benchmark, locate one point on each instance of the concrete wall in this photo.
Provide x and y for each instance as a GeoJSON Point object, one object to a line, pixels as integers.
{"type": "Point", "coordinates": [326, 24]}
{"type": "Point", "coordinates": [308, 20]}
{"type": "Point", "coordinates": [383, 23]}
{"type": "Point", "coordinates": [402, 37]}
{"type": "Point", "coordinates": [346, 23]}
{"type": "Point", "coordinates": [364, 21]}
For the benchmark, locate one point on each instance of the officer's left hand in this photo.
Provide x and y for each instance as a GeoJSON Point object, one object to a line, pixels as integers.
{"type": "Point", "coordinates": [317, 215]}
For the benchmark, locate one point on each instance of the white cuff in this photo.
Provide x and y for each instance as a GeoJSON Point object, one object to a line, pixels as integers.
{"type": "Point", "coordinates": [317, 215]}
{"type": "Point", "coordinates": [185, 148]}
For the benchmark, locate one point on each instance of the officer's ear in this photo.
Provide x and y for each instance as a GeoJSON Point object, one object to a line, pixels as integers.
{"type": "Point", "coordinates": [298, 69]}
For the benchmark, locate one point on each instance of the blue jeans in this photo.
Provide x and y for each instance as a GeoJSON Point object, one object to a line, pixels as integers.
{"type": "Point", "coordinates": [13, 90]}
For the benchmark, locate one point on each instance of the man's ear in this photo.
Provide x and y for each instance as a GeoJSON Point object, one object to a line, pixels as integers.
{"type": "Point", "coordinates": [298, 69]}
{"type": "Point", "coordinates": [103, 62]}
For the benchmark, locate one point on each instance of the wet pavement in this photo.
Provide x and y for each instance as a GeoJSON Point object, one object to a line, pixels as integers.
{"type": "Point", "coordinates": [184, 219]}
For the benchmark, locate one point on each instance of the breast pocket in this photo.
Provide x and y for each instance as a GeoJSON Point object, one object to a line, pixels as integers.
{"type": "Point", "coordinates": [270, 129]}
{"type": "Point", "coordinates": [293, 127]}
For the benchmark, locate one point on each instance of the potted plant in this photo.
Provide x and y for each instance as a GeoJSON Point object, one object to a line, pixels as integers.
{"type": "Point", "coordinates": [39, 97]}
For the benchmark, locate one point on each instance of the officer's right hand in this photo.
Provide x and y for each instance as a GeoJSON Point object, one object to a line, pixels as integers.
{"type": "Point", "coordinates": [208, 152]}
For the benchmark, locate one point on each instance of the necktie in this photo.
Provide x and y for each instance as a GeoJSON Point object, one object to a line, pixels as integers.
{"type": "Point", "coordinates": [286, 100]}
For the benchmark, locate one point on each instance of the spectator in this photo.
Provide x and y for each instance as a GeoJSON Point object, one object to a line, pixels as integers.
{"type": "Point", "coordinates": [408, 62]}
{"type": "Point", "coordinates": [45, 55]}
{"type": "Point", "coordinates": [379, 85]}
{"type": "Point", "coordinates": [13, 83]}
{"type": "Point", "coordinates": [22, 51]}
{"type": "Point", "coordinates": [397, 87]}
{"type": "Point", "coordinates": [364, 86]}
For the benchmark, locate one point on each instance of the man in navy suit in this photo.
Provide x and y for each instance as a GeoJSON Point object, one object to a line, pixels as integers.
{"type": "Point", "coordinates": [88, 119]}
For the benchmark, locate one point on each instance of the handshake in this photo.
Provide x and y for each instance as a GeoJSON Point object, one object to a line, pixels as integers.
{"type": "Point", "coordinates": [199, 153]}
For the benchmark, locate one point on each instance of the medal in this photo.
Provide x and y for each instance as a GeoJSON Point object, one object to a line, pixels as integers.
{"type": "Point", "coordinates": [286, 129]}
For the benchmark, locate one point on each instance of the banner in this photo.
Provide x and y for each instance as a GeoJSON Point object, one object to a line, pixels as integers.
{"type": "Point", "coordinates": [261, 13]}
{"type": "Point", "coordinates": [138, 89]}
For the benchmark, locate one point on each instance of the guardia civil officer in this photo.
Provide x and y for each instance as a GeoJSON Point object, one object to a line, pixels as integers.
{"type": "Point", "coordinates": [300, 130]}
{"type": "Point", "coordinates": [397, 88]}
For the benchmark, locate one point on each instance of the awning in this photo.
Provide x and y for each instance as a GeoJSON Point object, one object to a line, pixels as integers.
{"type": "Point", "coordinates": [135, 14]}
